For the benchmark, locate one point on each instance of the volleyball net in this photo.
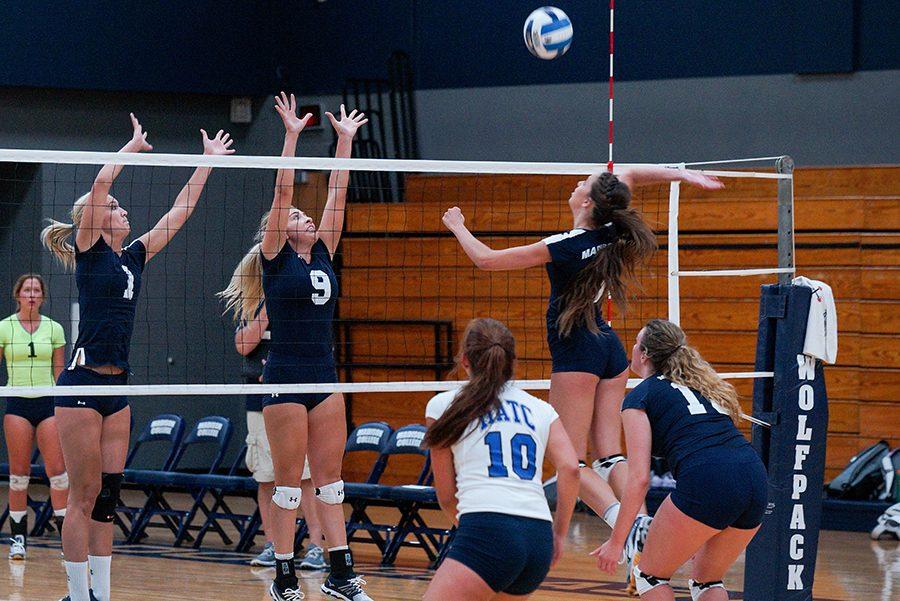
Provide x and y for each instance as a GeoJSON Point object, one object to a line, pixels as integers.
{"type": "Point", "coordinates": [406, 289]}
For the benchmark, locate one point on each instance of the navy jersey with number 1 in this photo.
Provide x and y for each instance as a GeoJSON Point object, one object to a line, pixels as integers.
{"type": "Point", "coordinates": [108, 288]}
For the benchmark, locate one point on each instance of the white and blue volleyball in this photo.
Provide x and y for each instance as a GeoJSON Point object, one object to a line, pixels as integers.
{"type": "Point", "coordinates": [548, 32]}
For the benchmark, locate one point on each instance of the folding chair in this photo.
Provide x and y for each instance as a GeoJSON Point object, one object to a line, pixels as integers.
{"type": "Point", "coordinates": [410, 500]}
{"type": "Point", "coordinates": [404, 441]}
{"type": "Point", "coordinates": [212, 431]}
{"type": "Point", "coordinates": [219, 487]}
{"type": "Point", "coordinates": [166, 430]}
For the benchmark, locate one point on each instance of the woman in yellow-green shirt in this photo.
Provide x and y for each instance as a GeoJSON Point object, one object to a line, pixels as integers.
{"type": "Point", "coordinates": [34, 349]}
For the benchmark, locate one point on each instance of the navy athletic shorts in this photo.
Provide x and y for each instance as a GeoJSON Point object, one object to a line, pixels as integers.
{"type": "Point", "coordinates": [724, 494]}
{"type": "Point", "coordinates": [82, 376]}
{"type": "Point", "coordinates": [288, 369]}
{"type": "Point", "coordinates": [34, 410]}
{"type": "Point", "coordinates": [512, 554]}
{"type": "Point", "coordinates": [600, 354]}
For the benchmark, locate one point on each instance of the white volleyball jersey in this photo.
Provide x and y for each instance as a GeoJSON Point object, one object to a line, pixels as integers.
{"type": "Point", "coordinates": [498, 460]}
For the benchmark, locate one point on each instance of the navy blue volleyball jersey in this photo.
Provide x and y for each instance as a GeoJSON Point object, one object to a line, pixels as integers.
{"type": "Point", "coordinates": [252, 366]}
{"type": "Point", "coordinates": [300, 299]}
{"type": "Point", "coordinates": [108, 288]}
{"type": "Point", "coordinates": [687, 427]}
{"type": "Point", "coordinates": [569, 253]}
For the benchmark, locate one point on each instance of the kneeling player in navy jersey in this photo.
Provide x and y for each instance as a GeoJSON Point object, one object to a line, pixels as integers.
{"type": "Point", "coordinates": [685, 412]}
{"type": "Point", "coordinates": [488, 441]}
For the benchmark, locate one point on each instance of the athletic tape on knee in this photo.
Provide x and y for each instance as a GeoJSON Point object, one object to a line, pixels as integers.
{"type": "Point", "coordinates": [605, 465]}
{"type": "Point", "coordinates": [60, 482]}
{"type": "Point", "coordinates": [645, 582]}
{"type": "Point", "coordinates": [332, 494]}
{"type": "Point", "coordinates": [698, 588]}
{"type": "Point", "coordinates": [19, 483]}
{"type": "Point", "coordinates": [108, 499]}
{"type": "Point", "coordinates": [287, 497]}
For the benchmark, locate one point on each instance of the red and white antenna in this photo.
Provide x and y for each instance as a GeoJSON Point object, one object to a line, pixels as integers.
{"type": "Point", "coordinates": [612, 6]}
{"type": "Point", "coordinates": [609, 164]}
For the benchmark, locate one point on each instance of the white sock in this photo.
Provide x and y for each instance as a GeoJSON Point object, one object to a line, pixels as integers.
{"type": "Point", "coordinates": [284, 556]}
{"type": "Point", "coordinates": [611, 514]}
{"type": "Point", "coordinates": [17, 516]}
{"type": "Point", "coordinates": [339, 548]}
{"type": "Point", "coordinates": [77, 576]}
{"type": "Point", "coordinates": [60, 513]}
{"type": "Point", "coordinates": [100, 568]}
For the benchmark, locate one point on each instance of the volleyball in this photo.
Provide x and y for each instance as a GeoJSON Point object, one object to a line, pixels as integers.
{"type": "Point", "coordinates": [548, 33]}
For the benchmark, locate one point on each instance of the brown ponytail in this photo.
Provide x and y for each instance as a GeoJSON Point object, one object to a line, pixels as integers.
{"type": "Point", "coordinates": [614, 266]}
{"type": "Point", "coordinates": [665, 344]}
{"type": "Point", "coordinates": [490, 348]}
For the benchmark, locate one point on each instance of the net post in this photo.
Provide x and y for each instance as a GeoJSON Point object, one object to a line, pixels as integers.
{"type": "Point", "coordinates": [785, 165]}
{"type": "Point", "coordinates": [781, 559]}
{"type": "Point", "coordinates": [674, 289]}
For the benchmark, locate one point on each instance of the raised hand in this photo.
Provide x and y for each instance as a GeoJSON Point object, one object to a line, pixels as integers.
{"type": "Point", "coordinates": [221, 144]}
{"type": "Point", "coordinates": [138, 140]}
{"type": "Point", "coordinates": [286, 107]}
{"type": "Point", "coordinates": [701, 180]}
{"type": "Point", "coordinates": [348, 124]}
{"type": "Point", "coordinates": [453, 218]}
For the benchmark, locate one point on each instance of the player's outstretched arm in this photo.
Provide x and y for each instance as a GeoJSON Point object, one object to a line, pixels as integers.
{"type": "Point", "coordinates": [165, 229]}
{"type": "Point", "coordinates": [484, 257]}
{"type": "Point", "coordinates": [634, 177]}
{"type": "Point", "coordinates": [562, 455]}
{"type": "Point", "coordinates": [638, 440]}
{"type": "Point", "coordinates": [333, 215]}
{"type": "Point", "coordinates": [92, 217]}
{"type": "Point", "coordinates": [276, 229]}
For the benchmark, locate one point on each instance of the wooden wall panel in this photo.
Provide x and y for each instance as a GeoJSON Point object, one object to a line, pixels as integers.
{"type": "Point", "coordinates": [399, 262]}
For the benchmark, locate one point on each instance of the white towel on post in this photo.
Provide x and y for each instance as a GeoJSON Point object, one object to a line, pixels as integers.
{"type": "Point", "coordinates": [821, 325]}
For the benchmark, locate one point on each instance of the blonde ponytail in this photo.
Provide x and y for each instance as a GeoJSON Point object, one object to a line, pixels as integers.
{"type": "Point", "coordinates": [244, 292]}
{"type": "Point", "coordinates": [55, 236]}
{"type": "Point", "coordinates": [666, 346]}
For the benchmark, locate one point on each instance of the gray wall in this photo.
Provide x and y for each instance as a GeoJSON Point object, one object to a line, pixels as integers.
{"type": "Point", "coordinates": [821, 120]}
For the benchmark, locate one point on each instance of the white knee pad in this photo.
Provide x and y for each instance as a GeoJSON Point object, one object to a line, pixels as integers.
{"type": "Point", "coordinates": [60, 482]}
{"type": "Point", "coordinates": [332, 494]}
{"type": "Point", "coordinates": [698, 588]}
{"type": "Point", "coordinates": [18, 483]}
{"type": "Point", "coordinates": [645, 582]}
{"type": "Point", "coordinates": [605, 465]}
{"type": "Point", "coordinates": [287, 497]}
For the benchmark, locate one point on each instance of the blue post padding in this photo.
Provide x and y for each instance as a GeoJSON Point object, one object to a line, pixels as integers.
{"type": "Point", "coordinates": [781, 559]}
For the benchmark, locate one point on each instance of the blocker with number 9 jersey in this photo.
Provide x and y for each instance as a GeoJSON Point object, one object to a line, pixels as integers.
{"type": "Point", "coordinates": [300, 299]}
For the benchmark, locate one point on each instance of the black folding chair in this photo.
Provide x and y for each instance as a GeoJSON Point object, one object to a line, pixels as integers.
{"type": "Point", "coordinates": [220, 487]}
{"type": "Point", "coordinates": [212, 431]}
{"type": "Point", "coordinates": [165, 430]}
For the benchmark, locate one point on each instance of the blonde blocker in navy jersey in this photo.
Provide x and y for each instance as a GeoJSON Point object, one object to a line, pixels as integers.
{"type": "Point", "coordinates": [300, 301]}
{"type": "Point", "coordinates": [601, 354]}
{"type": "Point", "coordinates": [108, 288]}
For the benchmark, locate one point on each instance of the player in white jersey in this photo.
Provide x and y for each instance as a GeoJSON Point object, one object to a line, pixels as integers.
{"type": "Point", "coordinates": [488, 440]}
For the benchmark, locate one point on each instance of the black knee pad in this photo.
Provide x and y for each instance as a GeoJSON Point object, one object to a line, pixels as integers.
{"type": "Point", "coordinates": [108, 499]}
